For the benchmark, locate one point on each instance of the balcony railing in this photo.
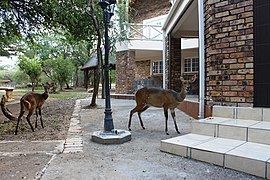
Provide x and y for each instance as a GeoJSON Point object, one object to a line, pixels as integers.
{"type": "Point", "coordinates": [144, 32]}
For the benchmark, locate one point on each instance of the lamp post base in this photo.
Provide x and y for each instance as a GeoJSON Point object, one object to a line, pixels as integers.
{"type": "Point", "coordinates": [116, 136]}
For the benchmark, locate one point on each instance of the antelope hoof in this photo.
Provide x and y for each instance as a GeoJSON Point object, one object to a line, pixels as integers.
{"type": "Point", "coordinates": [167, 133]}
{"type": "Point", "coordinates": [143, 127]}
{"type": "Point", "coordinates": [178, 132]}
{"type": "Point", "coordinates": [129, 129]}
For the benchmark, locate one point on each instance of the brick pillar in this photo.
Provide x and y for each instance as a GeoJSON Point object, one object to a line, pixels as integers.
{"type": "Point", "coordinates": [125, 72]}
{"type": "Point", "coordinates": [229, 51]}
{"type": "Point", "coordinates": [175, 64]}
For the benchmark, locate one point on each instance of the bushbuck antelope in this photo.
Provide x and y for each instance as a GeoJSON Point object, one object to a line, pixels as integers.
{"type": "Point", "coordinates": [162, 98]}
{"type": "Point", "coordinates": [33, 102]}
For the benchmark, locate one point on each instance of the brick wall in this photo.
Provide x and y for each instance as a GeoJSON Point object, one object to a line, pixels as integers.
{"type": "Point", "coordinates": [229, 51]}
{"type": "Point", "coordinates": [128, 71]}
{"type": "Point", "coordinates": [142, 70]}
{"type": "Point", "coordinates": [175, 64]}
{"type": "Point", "coordinates": [146, 9]}
{"type": "Point", "coordinates": [125, 74]}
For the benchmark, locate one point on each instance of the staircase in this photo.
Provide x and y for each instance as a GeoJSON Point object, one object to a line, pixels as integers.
{"type": "Point", "coordinates": [235, 137]}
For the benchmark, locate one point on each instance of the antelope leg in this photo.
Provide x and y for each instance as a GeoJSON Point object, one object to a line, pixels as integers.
{"type": "Point", "coordinates": [174, 120]}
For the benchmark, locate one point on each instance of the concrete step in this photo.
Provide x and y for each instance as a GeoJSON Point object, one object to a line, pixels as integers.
{"type": "Point", "coordinates": [238, 129]}
{"type": "Point", "coordinates": [248, 113]}
{"type": "Point", "coordinates": [248, 157]}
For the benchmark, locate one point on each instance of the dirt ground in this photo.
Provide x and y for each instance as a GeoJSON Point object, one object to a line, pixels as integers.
{"type": "Point", "coordinates": [25, 155]}
{"type": "Point", "coordinates": [139, 158]}
{"type": "Point", "coordinates": [56, 117]}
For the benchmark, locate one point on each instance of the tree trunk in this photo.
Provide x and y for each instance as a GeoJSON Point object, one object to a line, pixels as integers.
{"type": "Point", "coordinates": [99, 52]}
{"type": "Point", "coordinates": [96, 86]}
{"type": "Point", "coordinates": [67, 85]}
{"type": "Point", "coordinates": [33, 86]}
{"type": "Point", "coordinates": [77, 78]}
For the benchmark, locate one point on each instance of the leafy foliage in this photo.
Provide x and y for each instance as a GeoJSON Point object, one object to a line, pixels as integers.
{"type": "Point", "coordinates": [31, 67]}
{"type": "Point", "coordinates": [23, 18]}
{"type": "Point", "coordinates": [60, 69]}
{"type": "Point", "coordinates": [52, 46]}
{"type": "Point", "coordinates": [77, 24]}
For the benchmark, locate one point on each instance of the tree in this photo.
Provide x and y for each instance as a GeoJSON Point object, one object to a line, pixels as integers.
{"type": "Point", "coordinates": [60, 69]}
{"type": "Point", "coordinates": [23, 18]}
{"type": "Point", "coordinates": [97, 26]}
{"type": "Point", "coordinates": [82, 20]}
{"type": "Point", "coordinates": [51, 46]}
{"type": "Point", "coordinates": [31, 67]}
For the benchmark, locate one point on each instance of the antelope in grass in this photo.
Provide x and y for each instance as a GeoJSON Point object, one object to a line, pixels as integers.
{"type": "Point", "coordinates": [161, 98]}
{"type": "Point", "coordinates": [33, 102]}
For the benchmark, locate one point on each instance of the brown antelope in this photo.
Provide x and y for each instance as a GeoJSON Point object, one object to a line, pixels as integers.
{"type": "Point", "coordinates": [32, 102]}
{"type": "Point", "coordinates": [162, 98]}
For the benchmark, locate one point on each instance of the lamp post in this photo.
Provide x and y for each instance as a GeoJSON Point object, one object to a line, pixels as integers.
{"type": "Point", "coordinates": [109, 135]}
{"type": "Point", "coordinates": [108, 11]}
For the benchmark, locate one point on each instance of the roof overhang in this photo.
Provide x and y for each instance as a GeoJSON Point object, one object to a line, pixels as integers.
{"type": "Point", "coordinates": [182, 20]}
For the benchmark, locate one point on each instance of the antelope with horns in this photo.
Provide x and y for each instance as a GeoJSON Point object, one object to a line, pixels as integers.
{"type": "Point", "coordinates": [33, 102]}
{"type": "Point", "coordinates": [162, 98]}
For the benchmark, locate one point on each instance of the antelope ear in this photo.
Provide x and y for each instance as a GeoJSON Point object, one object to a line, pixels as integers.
{"type": "Point", "coordinates": [193, 79]}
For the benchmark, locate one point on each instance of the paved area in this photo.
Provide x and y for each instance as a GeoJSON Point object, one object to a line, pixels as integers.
{"type": "Point", "coordinates": [80, 158]}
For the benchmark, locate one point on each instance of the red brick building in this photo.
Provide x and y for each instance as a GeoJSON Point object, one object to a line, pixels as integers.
{"type": "Point", "coordinates": [139, 58]}
{"type": "Point", "coordinates": [236, 47]}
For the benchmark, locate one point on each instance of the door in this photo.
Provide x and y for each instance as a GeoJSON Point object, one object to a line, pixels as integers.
{"type": "Point", "coordinates": [262, 53]}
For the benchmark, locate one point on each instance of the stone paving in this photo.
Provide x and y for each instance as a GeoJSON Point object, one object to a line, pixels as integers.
{"type": "Point", "coordinates": [74, 142]}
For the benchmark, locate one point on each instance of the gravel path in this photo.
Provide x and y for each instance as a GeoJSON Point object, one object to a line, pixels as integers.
{"type": "Point", "coordinates": [139, 158]}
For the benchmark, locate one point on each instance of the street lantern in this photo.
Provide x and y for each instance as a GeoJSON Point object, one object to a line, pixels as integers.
{"type": "Point", "coordinates": [108, 11]}
{"type": "Point", "coordinates": [109, 135]}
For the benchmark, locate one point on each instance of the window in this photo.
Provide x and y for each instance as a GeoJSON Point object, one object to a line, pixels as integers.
{"type": "Point", "coordinates": [191, 64]}
{"type": "Point", "coordinates": [157, 67]}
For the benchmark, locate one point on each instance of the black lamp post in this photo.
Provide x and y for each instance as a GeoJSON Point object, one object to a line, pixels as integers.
{"type": "Point", "coordinates": [108, 9]}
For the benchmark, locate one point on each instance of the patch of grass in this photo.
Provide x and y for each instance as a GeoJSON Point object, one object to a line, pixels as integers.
{"type": "Point", "coordinates": [69, 95]}
{"type": "Point", "coordinates": [65, 94]}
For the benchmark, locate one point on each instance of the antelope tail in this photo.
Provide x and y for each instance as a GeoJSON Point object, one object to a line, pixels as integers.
{"type": "Point", "coordinates": [5, 110]}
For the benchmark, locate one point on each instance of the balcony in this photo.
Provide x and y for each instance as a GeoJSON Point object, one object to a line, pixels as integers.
{"type": "Point", "coordinates": [141, 37]}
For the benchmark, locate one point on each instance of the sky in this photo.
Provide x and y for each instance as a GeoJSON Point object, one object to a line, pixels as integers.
{"type": "Point", "coordinates": [11, 61]}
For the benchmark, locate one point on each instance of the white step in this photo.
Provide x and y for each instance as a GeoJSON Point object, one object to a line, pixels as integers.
{"type": "Point", "coordinates": [252, 158]}
{"type": "Point", "coordinates": [237, 138]}
{"type": "Point", "coordinates": [238, 129]}
{"type": "Point", "coordinates": [249, 113]}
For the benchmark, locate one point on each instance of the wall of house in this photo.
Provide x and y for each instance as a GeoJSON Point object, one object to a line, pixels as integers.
{"type": "Point", "coordinates": [229, 52]}
{"type": "Point", "coordinates": [174, 65]}
{"type": "Point", "coordinates": [142, 70]}
{"type": "Point", "coordinates": [146, 9]}
{"type": "Point", "coordinates": [125, 72]}
{"type": "Point", "coordinates": [129, 68]}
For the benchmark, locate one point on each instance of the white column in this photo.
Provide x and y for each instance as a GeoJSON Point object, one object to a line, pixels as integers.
{"type": "Point", "coordinates": [202, 60]}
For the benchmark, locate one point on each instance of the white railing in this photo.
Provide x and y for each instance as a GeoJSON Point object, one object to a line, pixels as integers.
{"type": "Point", "coordinates": [144, 32]}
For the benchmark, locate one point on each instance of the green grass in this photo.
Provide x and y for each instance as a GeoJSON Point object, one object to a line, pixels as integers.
{"type": "Point", "coordinates": [77, 93]}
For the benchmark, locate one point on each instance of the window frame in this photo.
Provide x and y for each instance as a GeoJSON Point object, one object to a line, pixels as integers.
{"type": "Point", "coordinates": [192, 61]}
{"type": "Point", "coordinates": [159, 67]}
